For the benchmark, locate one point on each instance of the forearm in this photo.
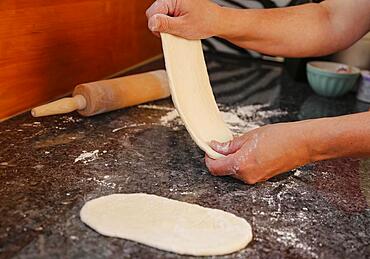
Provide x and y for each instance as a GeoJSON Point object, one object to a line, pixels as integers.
{"type": "Point", "coordinates": [344, 136]}
{"type": "Point", "coordinates": [305, 30]}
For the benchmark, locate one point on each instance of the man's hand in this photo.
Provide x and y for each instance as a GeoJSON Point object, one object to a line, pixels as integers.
{"type": "Point", "coordinates": [268, 151]}
{"type": "Point", "coordinates": [190, 19]}
{"type": "Point", "coordinates": [300, 31]}
{"type": "Point", "coordinates": [261, 154]}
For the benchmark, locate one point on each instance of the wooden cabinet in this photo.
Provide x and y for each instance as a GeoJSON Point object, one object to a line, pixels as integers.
{"type": "Point", "coordinates": [49, 46]}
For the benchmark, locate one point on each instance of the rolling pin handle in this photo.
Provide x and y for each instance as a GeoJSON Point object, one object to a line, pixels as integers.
{"type": "Point", "coordinates": [61, 106]}
{"type": "Point", "coordinates": [80, 102]}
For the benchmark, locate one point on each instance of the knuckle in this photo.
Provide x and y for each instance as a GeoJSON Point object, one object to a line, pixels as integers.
{"type": "Point", "coordinates": [161, 3]}
{"type": "Point", "coordinates": [163, 24]}
{"type": "Point", "coordinates": [151, 24]}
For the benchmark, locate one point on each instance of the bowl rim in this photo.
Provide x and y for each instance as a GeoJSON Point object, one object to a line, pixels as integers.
{"type": "Point", "coordinates": [311, 64]}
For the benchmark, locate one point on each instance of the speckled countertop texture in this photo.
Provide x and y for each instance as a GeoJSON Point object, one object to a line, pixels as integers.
{"type": "Point", "coordinates": [48, 170]}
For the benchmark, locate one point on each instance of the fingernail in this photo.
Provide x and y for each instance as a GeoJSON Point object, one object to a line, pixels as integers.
{"type": "Point", "coordinates": [223, 147]}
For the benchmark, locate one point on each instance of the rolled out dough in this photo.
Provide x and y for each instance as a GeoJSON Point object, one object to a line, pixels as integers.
{"type": "Point", "coordinates": [192, 93]}
{"type": "Point", "coordinates": [167, 224]}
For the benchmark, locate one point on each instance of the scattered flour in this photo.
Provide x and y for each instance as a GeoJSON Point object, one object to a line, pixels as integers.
{"type": "Point", "coordinates": [239, 119]}
{"type": "Point", "coordinates": [232, 118]}
{"type": "Point", "coordinates": [118, 129]}
{"type": "Point", "coordinates": [288, 228]}
{"type": "Point", "coordinates": [248, 110]}
{"type": "Point", "coordinates": [297, 172]}
{"type": "Point", "coordinates": [86, 157]}
{"type": "Point", "coordinates": [290, 239]}
{"type": "Point", "coordinates": [155, 107]}
{"type": "Point", "coordinates": [104, 183]}
{"type": "Point", "coordinates": [74, 238]}
{"type": "Point", "coordinates": [172, 116]}
{"type": "Point", "coordinates": [70, 119]}
{"type": "Point", "coordinates": [129, 126]}
{"type": "Point", "coordinates": [35, 124]}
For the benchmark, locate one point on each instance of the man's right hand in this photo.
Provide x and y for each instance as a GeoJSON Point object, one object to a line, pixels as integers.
{"type": "Point", "coordinates": [190, 19]}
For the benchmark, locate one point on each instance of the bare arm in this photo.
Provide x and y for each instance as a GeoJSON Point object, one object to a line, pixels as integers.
{"type": "Point", "coordinates": [305, 30]}
{"type": "Point", "coordinates": [268, 151]}
{"type": "Point", "coordinates": [344, 136]}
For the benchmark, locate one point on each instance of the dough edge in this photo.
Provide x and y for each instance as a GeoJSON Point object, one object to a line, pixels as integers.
{"type": "Point", "coordinates": [200, 252]}
{"type": "Point", "coordinates": [202, 145]}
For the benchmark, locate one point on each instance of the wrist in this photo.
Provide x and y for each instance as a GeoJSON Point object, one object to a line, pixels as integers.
{"type": "Point", "coordinates": [237, 25]}
{"type": "Point", "coordinates": [218, 24]}
{"type": "Point", "coordinates": [299, 133]}
{"type": "Point", "coordinates": [226, 23]}
{"type": "Point", "coordinates": [320, 140]}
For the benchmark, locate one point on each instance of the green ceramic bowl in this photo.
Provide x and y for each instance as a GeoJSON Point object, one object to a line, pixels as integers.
{"type": "Point", "coordinates": [331, 79]}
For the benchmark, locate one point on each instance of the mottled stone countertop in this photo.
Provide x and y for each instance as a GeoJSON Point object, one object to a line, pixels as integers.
{"type": "Point", "coordinates": [318, 211]}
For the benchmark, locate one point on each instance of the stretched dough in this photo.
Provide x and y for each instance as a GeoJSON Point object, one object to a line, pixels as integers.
{"type": "Point", "coordinates": [167, 224]}
{"type": "Point", "coordinates": [192, 93]}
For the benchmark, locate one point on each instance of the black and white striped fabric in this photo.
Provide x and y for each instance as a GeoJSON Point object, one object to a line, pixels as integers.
{"type": "Point", "coordinates": [221, 45]}
{"type": "Point", "coordinates": [259, 3]}
{"type": "Point", "coordinates": [237, 80]}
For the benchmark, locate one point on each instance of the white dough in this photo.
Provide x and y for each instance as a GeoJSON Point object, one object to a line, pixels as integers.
{"type": "Point", "coordinates": [192, 93]}
{"type": "Point", "coordinates": [167, 224]}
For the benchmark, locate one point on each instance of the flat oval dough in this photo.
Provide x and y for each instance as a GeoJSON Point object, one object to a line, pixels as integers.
{"type": "Point", "coordinates": [167, 224]}
{"type": "Point", "coordinates": [192, 93]}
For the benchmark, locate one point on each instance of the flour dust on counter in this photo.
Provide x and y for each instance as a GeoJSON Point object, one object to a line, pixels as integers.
{"type": "Point", "coordinates": [155, 107]}
{"type": "Point", "coordinates": [133, 125]}
{"type": "Point", "coordinates": [170, 117]}
{"type": "Point", "coordinates": [239, 119]}
{"type": "Point", "coordinates": [167, 224]}
{"type": "Point", "coordinates": [86, 157]}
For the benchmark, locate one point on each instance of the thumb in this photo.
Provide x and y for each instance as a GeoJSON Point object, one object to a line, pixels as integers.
{"type": "Point", "coordinates": [163, 23]}
{"type": "Point", "coordinates": [229, 147]}
{"type": "Point", "coordinates": [224, 166]}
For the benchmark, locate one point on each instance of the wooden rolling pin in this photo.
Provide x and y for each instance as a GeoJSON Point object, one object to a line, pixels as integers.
{"type": "Point", "coordinates": [107, 95]}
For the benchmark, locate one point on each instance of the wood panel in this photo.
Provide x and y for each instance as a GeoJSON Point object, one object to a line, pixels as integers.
{"type": "Point", "coordinates": [49, 46]}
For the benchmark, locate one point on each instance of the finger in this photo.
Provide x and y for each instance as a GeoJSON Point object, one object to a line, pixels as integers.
{"type": "Point", "coordinates": [157, 34]}
{"type": "Point", "coordinates": [158, 7]}
{"type": "Point", "coordinates": [230, 147]}
{"type": "Point", "coordinates": [163, 23]}
{"type": "Point", "coordinates": [221, 148]}
{"type": "Point", "coordinates": [223, 166]}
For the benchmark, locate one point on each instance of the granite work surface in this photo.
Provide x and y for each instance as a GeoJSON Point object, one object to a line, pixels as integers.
{"type": "Point", "coordinates": [49, 167]}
